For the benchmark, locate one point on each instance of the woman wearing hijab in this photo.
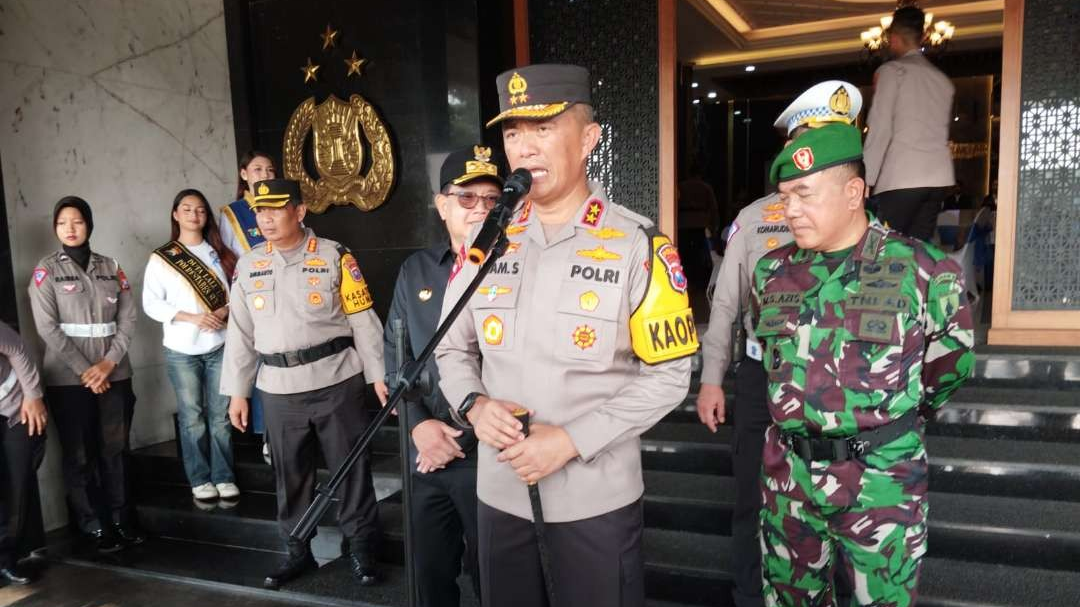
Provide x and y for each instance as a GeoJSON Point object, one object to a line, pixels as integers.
{"type": "Point", "coordinates": [186, 289]}
{"type": "Point", "coordinates": [84, 312]}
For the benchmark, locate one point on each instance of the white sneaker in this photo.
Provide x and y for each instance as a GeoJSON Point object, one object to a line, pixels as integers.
{"type": "Point", "coordinates": [205, 491]}
{"type": "Point", "coordinates": [266, 454]}
{"type": "Point", "coordinates": [228, 490]}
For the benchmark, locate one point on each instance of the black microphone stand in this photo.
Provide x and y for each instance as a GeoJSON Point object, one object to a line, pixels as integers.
{"type": "Point", "coordinates": [401, 333]}
{"type": "Point", "coordinates": [407, 378]}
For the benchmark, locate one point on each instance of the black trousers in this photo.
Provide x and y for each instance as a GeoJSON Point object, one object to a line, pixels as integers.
{"type": "Point", "coordinates": [21, 528]}
{"type": "Point", "coordinates": [595, 562]}
{"type": "Point", "coordinates": [910, 211]}
{"type": "Point", "coordinates": [443, 517]}
{"type": "Point", "coordinates": [751, 420]}
{"type": "Point", "coordinates": [94, 432]}
{"type": "Point", "coordinates": [333, 417]}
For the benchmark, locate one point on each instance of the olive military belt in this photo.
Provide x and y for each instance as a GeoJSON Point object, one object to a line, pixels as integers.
{"type": "Point", "coordinates": [100, 329]}
{"type": "Point", "coordinates": [306, 356]}
{"type": "Point", "coordinates": [813, 449]}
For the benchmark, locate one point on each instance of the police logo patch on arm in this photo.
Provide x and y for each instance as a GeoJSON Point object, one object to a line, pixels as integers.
{"type": "Point", "coordinates": [355, 296]}
{"type": "Point", "coordinates": [662, 327]}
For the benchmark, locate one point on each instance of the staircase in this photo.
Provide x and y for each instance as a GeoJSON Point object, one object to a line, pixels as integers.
{"type": "Point", "coordinates": [1004, 516]}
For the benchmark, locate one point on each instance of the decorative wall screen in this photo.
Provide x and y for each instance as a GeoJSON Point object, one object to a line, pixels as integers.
{"type": "Point", "coordinates": [1046, 274]}
{"type": "Point", "coordinates": [617, 41]}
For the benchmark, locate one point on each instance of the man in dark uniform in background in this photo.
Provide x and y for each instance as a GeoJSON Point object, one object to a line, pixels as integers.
{"type": "Point", "coordinates": [443, 507]}
{"type": "Point", "coordinates": [300, 306]}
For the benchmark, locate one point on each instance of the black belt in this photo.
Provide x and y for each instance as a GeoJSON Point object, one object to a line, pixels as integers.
{"type": "Point", "coordinates": [307, 355]}
{"type": "Point", "coordinates": [852, 447]}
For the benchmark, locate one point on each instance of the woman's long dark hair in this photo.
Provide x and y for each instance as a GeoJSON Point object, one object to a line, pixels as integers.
{"type": "Point", "coordinates": [245, 160]}
{"type": "Point", "coordinates": [210, 231]}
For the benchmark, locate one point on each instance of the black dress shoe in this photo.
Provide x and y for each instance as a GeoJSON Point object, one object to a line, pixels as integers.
{"type": "Point", "coordinates": [10, 576]}
{"type": "Point", "coordinates": [105, 542]}
{"type": "Point", "coordinates": [299, 562]}
{"type": "Point", "coordinates": [128, 535]}
{"type": "Point", "coordinates": [363, 567]}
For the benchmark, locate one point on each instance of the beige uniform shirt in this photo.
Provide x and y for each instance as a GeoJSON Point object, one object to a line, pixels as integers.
{"type": "Point", "coordinates": [277, 306]}
{"type": "Point", "coordinates": [64, 297]}
{"type": "Point", "coordinates": [549, 329]}
{"type": "Point", "coordinates": [758, 229]}
{"type": "Point", "coordinates": [908, 142]}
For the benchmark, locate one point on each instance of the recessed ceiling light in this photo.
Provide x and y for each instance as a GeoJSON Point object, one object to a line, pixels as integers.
{"type": "Point", "coordinates": [751, 68]}
{"type": "Point", "coordinates": [738, 112]}
{"type": "Point", "coordinates": [693, 85]}
{"type": "Point", "coordinates": [697, 101]}
{"type": "Point", "coordinates": [712, 94]}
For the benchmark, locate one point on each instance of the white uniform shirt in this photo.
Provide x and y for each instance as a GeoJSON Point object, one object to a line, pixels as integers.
{"type": "Point", "coordinates": [166, 292]}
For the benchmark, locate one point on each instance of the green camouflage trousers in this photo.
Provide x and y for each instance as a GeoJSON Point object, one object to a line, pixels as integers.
{"type": "Point", "coordinates": [878, 537]}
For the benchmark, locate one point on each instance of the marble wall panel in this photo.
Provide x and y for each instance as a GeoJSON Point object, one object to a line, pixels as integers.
{"type": "Point", "coordinates": [122, 102]}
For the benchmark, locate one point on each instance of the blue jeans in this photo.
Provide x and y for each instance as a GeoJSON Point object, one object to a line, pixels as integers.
{"type": "Point", "coordinates": [204, 416]}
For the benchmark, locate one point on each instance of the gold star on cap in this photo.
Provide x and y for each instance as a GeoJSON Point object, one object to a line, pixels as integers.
{"type": "Point", "coordinates": [309, 71]}
{"type": "Point", "coordinates": [329, 37]}
{"type": "Point", "coordinates": [355, 64]}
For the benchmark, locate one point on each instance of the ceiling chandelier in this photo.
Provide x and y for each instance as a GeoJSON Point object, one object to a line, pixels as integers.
{"type": "Point", "coordinates": [936, 35]}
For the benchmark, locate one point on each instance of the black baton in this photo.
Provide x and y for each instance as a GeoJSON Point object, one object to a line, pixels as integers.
{"type": "Point", "coordinates": [522, 415]}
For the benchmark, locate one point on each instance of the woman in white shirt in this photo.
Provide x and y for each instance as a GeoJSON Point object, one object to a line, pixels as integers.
{"type": "Point", "coordinates": [185, 288]}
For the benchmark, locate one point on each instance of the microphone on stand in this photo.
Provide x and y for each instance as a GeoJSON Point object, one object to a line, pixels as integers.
{"type": "Point", "coordinates": [517, 186]}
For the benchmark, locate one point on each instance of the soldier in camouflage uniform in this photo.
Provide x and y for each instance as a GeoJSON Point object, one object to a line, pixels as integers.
{"type": "Point", "coordinates": [865, 333]}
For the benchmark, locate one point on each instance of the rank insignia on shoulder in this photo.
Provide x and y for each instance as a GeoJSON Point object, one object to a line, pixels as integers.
{"type": "Point", "coordinates": [599, 254]}
{"type": "Point", "coordinates": [424, 294]}
{"type": "Point", "coordinates": [584, 337]}
{"type": "Point", "coordinates": [493, 330]}
{"type": "Point", "coordinates": [589, 301]}
{"type": "Point", "coordinates": [269, 247]}
{"type": "Point", "coordinates": [525, 212]}
{"type": "Point", "coordinates": [315, 261]}
{"type": "Point", "coordinates": [39, 276]}
{"type": "Point", "coordinates": [593, 212]}
{"type": "Point", "coordinates": [312, 245]}
{"type": "Point", "coordinates": [607, 233]}
{"type": "Point", "coordinates": [514, 230]}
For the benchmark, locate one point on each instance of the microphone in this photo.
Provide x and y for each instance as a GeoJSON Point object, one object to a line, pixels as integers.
{"type": "Point", "coordinates": [517, 185]}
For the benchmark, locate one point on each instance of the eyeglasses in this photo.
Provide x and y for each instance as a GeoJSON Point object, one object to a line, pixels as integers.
{"type": "Point", "coordinates": [468, 200]}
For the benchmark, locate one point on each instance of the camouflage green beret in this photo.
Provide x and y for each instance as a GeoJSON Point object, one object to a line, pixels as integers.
{"type": "Point", "coordinates": [816, 150]}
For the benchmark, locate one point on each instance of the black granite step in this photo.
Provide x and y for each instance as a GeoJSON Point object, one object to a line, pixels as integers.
{"type": "Point", "coordinates": [1045, 368]}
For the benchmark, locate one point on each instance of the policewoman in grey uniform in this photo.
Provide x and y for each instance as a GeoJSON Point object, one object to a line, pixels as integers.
{"type": "Point", "coordinates": [84, 312]}
{"type": "Point", "coordinates": [300, 306]}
